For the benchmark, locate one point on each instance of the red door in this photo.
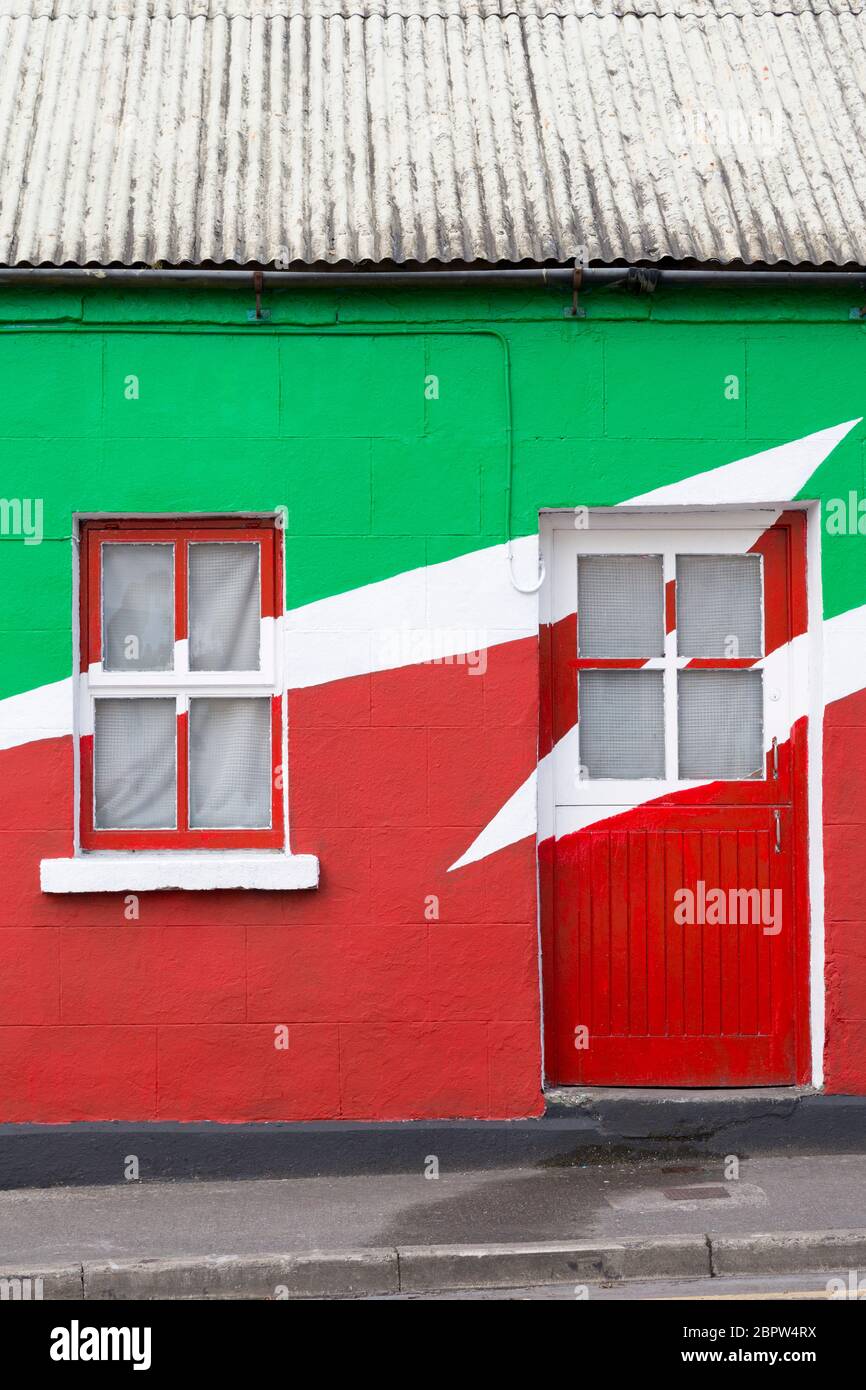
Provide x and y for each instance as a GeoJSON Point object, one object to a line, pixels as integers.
{"type": "Point", "coordinates": [674, 906]}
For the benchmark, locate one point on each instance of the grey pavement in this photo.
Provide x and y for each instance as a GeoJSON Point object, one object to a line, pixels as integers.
{"type": "Point", "coordinates": [59, 1226]}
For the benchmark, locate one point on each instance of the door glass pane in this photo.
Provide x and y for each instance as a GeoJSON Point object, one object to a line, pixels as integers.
{"type": "Point", "coordinates": [719, 605]}
{"type": "Point", "coordinates": [230, 764]}
{"type": "Point", "coordinates": [621, 723]}
{"type": "Point", "coordinates": [137, 607]}
{"type": "Point", "coordinates": [620, 605]}
{"type": "Point", "coordinates": [721, 724]}
{"type": "Point", "coordinates": [224, 606]}
{"type": "Point", "coordinates": [135, 755]}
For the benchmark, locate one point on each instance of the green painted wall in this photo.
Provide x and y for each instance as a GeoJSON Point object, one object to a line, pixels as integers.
{"type": "Point", "coordinates": [325, 410]}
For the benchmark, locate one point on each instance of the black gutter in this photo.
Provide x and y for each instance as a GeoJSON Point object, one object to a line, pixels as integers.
{"type": "Point", "coordinates": [640, 278]}
{"type": "Point", "coordinates": [271, 279]}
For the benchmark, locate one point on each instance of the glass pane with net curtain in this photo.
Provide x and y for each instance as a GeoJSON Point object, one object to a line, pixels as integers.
{"type": "Point", "coordinates": [137, 606]}
{"type": "Point", "coordinates": [721, 724]}
{"type": "Point", "coordinates": [621, 723]}
{"type": "Point", "coordinates": [230, 766]}
{"type": "Point", "coordinates": [620, 606]}
{"type": "Point", "coordinates": [224, 606]}
{"type": "Point", "coordinates": [719, 608]}
{"type": "Point", "coordinates": [135, 764]}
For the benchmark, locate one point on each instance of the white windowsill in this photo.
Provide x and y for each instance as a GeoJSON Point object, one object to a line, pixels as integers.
{"type": "Point", "coordinates": [143, 873]}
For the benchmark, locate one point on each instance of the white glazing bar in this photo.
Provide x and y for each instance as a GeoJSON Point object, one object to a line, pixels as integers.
{"type": "Point", "coordinates": [670, 664]}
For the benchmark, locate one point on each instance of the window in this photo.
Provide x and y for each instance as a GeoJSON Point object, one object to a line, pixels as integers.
{"type": "Point", "coordinates": [621, 620]}
{"type": "Point", "coordinates": [181, 708]}
{"type": "Point", "coordinates": [664, 643]}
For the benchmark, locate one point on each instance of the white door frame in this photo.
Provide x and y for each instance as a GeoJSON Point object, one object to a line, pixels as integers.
{"type": "Point", "coordinates": [806, 680]}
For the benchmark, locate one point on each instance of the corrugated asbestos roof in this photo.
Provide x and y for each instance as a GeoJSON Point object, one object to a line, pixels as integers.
{"type": "Point", "coordinates": [175, 131]}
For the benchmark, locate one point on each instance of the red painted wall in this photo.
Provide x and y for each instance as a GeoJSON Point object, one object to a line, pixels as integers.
{"type": "Point", "coordinates": [390, 1015]}
{"type": "Point", "coordinates": [845, 894]}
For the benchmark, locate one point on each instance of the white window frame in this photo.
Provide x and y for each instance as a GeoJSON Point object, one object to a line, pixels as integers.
{"type": "Point", "coordinates": [112, 870]}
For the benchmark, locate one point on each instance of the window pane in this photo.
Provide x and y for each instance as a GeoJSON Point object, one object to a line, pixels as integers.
{"type": "Point", "coordinates": [721, 724]}
{"type": "Point", "coordinates": [622, 723]}
{"type": "Point", "coordinates": [620, 605]}
{"type": "Point", "coordinates": [229, 763]}
{"type": "Point", "coordinates": [135, 753]}
{"type": "Point", "coordinates": [137, 607]}
{"type": "Point", "coordinates": [224, 606]}
{"type": "Point", "coordinates": [719, 605]}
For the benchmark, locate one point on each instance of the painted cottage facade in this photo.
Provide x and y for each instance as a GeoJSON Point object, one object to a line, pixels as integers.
{"type": "Point", "coordinates": [431, 673]}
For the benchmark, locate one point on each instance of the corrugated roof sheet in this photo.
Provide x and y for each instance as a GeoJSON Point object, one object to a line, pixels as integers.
{"type": "Point", "coordinates": [175, 131]}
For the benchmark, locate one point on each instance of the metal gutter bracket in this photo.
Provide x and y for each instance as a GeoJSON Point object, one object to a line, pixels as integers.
{"type": "Point", "coordinates": [576, 311]}
{"type": "Point", "coordinates": [258, 315]}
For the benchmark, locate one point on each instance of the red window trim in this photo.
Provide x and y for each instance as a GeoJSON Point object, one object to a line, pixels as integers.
{"type": "Point", "coordinates": [181, 532]}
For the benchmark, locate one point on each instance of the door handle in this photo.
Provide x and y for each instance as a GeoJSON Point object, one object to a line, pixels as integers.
{"type": "Point", "coordinates": [775, 760]}
{"type": "Point", "coordinates": [777, 816]}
